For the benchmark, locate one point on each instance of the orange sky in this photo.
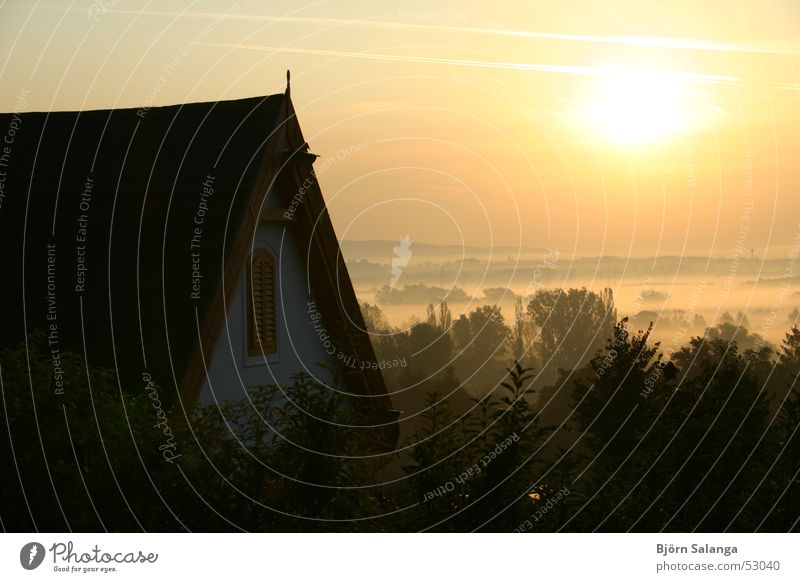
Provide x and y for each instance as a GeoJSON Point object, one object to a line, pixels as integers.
{"type": "Point", "coordinates": [615, 127]}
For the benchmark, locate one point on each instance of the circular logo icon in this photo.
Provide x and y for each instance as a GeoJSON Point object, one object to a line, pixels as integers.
{"type": "Point", "coordinates": [31, 555]}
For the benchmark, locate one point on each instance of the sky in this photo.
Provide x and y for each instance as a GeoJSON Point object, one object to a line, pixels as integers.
{"type": "Point", "coordinates": [613, 127]}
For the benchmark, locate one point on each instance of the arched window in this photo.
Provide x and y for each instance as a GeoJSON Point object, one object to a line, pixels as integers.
{"type": "Point", "coordinates": [262, 328]}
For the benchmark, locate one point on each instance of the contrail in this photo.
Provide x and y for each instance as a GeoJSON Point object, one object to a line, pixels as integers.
{"type": "Point", "coordinates": [594, 71]}
{"type": "Point", "coordinates": [650, 42]}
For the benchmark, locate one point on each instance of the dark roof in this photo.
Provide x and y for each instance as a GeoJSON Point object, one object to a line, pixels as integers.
{"type": "Point", "coordinates": [132, 181]}
{"type": "Point", "coordinates": [161, 146]}
{"type": "Point", "coordinates": [144, 171]}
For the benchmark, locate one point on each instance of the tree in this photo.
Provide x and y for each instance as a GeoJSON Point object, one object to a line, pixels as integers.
{"type": "Point", "coordinates": [784, 515]}
{"type": "Point", "coordinates": [608, 396]}
{"type": "Point", "coordinates": [787, 368]}
{"type": "Point", "coordinates": [435, 461]}
{"type": "Point", "coordinates": [482, 339]}
{"type": "Point", "coordinates": [782, 482]}
{"type": "Point", "coordinates": [519, 466]}
{"type": "Point", "coordinates": [711, 444]}
{"type": "Point", "coordinates": [523, 334]}
{"type": "Point", "coordinates": [440, 318]}
{"type": "Point", "coordinates": [374, 319]}
{"type": "Point", "coordinates": [300, 457]}
{"type": "Point", "coordinates": [428, 350]}
{"type": "Point", "coordinates": [572, 325]}
{"type": "Point", "coordinates": [475, 473]}
{"type": "Point", "coordinates": [735, 330]}
{"type": "Point", "coordinates": [92, 458]}
{"type": "Point", "coordinates": [461, 333]}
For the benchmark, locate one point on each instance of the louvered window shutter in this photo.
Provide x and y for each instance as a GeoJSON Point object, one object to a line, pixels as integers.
{"type": "Point", "coordinates": [262, 320]}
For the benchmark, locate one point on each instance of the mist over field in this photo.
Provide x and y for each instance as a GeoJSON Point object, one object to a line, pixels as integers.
{"type": "Point", "coordinates": [681, 295]}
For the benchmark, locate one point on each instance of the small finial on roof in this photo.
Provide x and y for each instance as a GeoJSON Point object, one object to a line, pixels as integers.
{"type": "Point", "coordinates": [288, 80]}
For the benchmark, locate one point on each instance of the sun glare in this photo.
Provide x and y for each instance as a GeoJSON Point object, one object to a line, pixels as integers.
{"type": "Point", "coordinates": [637, 107]}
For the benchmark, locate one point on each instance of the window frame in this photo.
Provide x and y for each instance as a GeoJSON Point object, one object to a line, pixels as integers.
{"type": "Point", "coordinates": [256, 344]}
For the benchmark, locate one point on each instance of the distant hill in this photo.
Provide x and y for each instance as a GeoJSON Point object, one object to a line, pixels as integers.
{"type": "Point", "coordinates": [383, 250]}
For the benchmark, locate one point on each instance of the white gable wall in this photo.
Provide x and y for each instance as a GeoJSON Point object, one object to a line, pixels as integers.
{"type": "Point", "coordinates": [232, 371]}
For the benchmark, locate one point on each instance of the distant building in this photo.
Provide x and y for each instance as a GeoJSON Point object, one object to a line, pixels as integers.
{"type": "Point", "coordinates": [188, 242]}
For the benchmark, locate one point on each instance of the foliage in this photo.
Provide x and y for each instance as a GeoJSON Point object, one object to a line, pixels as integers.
{"type": "Point", "coordinates": [573, 324]}
{"type": "Point", "coordinates": [622, 439]}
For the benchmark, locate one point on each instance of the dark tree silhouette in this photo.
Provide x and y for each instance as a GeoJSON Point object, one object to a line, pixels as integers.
{"type": "Point", "coordinates": [572, 324]}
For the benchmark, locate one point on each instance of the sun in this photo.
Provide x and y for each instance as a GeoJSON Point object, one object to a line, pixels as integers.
{"type": "Point", "coordinates": [637, 106]}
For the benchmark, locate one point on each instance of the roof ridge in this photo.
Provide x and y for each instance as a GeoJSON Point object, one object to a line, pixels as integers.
{"type": "Point", "coordinates": [153, 109]}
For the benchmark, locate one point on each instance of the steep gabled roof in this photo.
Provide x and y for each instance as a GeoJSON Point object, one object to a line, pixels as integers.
{"type": "Point", "coordinates": [98, 216]}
